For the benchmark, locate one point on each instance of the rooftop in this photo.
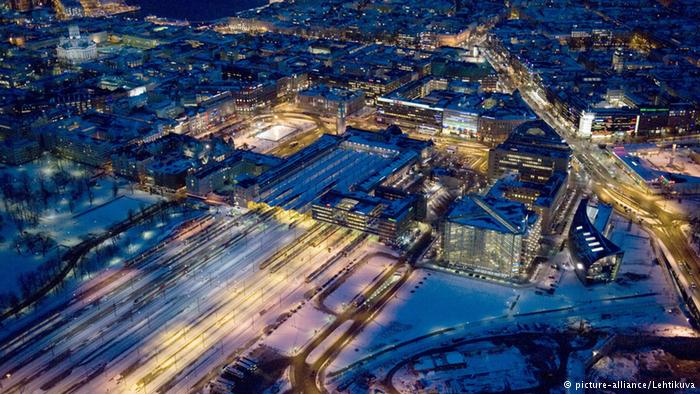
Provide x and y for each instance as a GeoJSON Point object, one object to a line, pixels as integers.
{"type": "Point", "coordinates": [491, 213]}
{"type": "Point", "coordinates": [587, 241]}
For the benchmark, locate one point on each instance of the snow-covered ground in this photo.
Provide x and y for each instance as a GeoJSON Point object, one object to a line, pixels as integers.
{"type": "Point", "coordinates": [668, 160]}
{"type": "Point", "coordinates": [69, 214]}
{"type": "Point", "coordinates": [108, 258]}
{"type": "Point", "coordinates": [302, 326]}
{"type": "Point", "coordinates": [165, 322]}
{"type": "Point", "coordinates": [265, 136]}
{"type": "Point", "coordinates": [361, 278]}
{"type": "Point", "coordinates": [326, 343]}
{"type": "Point", "coordinates": [295, 333]}
{"type": "Point", "coordinates": [431, 301]}
{"type": "Point", "coordinates": [480, 367]}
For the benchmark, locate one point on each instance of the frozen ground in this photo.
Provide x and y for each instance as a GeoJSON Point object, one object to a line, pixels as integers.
{"type": "Point", "coordinates": [326, 344]}
{"type": "Point", "coordinates": [480, 367]}
{"type": "Point", "coordinates": [644, 363]}
{"type": "Point", "coordinates": [276, 133]}
{"type": "Point", "coordinates": [432, 301]}
{"type": "Point", "coordinates": [666, 160]}
{"type": "Point", "coordinates": [362, 278]}
{"type": "Point", "coordinates": [69, 216]}
{"type": "Point", "coordinates": [295, 333]}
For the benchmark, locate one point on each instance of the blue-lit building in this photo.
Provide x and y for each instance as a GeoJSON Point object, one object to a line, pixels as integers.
{"type": "Point", "coordinates": [491, 236]}
{"type": "Point", "coordinates": [596, 258]}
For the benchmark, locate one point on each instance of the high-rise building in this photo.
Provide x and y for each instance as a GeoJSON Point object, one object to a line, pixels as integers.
{"type": "Point", "coordinates": [340, 121]}
{"type": "Point", "coordinates": [491, 236]}
{"type": "Point", "coordinates": [533, 150]}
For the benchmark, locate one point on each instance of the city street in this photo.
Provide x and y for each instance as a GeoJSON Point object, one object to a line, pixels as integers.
{"type": "Point", "coordinates": [616, 187]}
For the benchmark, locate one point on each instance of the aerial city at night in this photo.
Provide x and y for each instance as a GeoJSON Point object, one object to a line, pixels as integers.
{"type": "Point", "coordinates": [349, 196]}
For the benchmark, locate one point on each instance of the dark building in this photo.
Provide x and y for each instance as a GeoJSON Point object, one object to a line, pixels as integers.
{"type": "Point", "coordinates": [534, 150]}
{"type": "Point", "coordinates": [26, 5]}
{"type": "Point", "coordinates": [597, 259]}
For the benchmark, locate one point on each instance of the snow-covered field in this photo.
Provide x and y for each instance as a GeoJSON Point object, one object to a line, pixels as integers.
{"type": "Point", "coordinates": [362, 278]}
{"type": "Point", "coordinates": [108, 258]}
{"type": "Point", "coordinates": [276, 133]}
{"type": "Point", "coordinates": [481, 367]}
{"type": "Point", "coordinates": [77, 204]}
{"type": "Point", "coordinates": [326, 343]}
{"type": "Point", "coordinates": [668, 160]}
{"type": "Point", "coordinates": [432, 301]}
{"type": "Point", "coordinates": [295, 333]}
{"type": "Point", "coordinates": [264, 136]}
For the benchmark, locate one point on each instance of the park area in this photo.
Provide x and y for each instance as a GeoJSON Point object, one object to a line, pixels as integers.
{"type": "Point", "coordinates": [48, 206]}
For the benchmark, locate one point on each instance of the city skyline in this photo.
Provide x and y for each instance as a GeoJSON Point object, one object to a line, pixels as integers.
{"type": "Point", "coordinates": [330, 196]}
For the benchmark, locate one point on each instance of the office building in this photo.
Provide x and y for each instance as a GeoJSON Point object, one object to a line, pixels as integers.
{"type": "Point", "coordinates": [328, 101]}
{"type": "Point", "coordinates": [543, 198]}
{"type": "Point", "coordinates": [491, 236]}
{"type": "Point", "coordinates": [534, 150]}
{"type": "Point", "coordinates": [387, 219]}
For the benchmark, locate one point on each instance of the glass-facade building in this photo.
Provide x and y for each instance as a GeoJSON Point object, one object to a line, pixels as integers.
{"type": "Point", "coordinates": [491, 236]}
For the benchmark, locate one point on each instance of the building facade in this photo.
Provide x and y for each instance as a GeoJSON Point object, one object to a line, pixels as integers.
{"type": "Point", "coordinates": [76, 49]}
{"type": "Point", "coordinates": [490, 236]}
{"type": "Point", "coordinates": [596, 258]}
{"type": "Point", "coordinates": [534, 150]}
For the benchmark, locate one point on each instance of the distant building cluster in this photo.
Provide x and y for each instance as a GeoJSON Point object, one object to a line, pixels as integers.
{"type": "Point", "coordinates": [160, 102]}
{"type": "Point", "coordinates": [453, 107]}
{"type": "Point", "coordinates": [609, 74]}
{"type": "Point", "coordinates": [404, 23]}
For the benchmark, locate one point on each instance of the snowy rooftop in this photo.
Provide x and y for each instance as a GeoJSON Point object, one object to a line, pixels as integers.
{"type": "Point", "coordinates": [491, 213]}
